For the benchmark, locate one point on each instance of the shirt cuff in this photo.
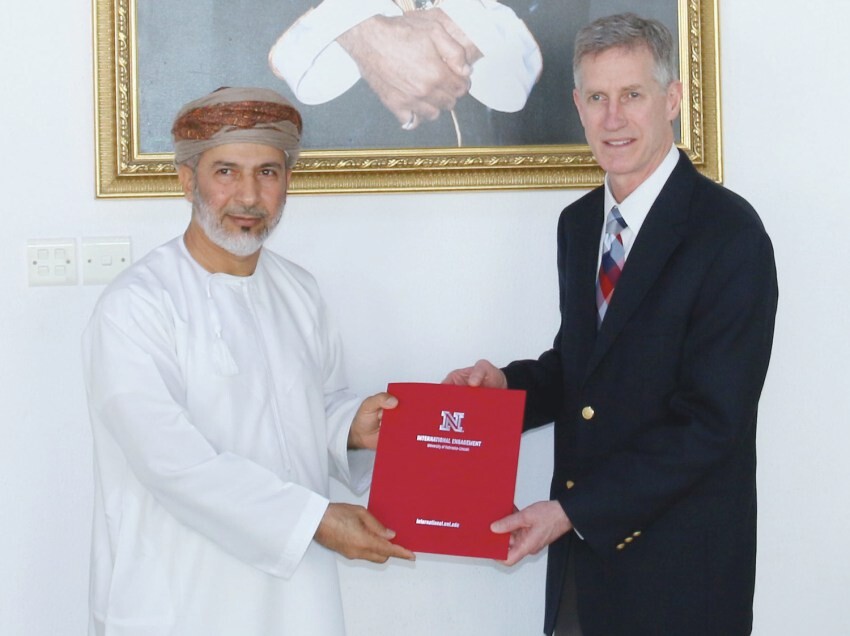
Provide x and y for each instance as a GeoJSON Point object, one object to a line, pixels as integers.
{"type": "Point", "coordinates": [308, 57]}
{"type": "Point", "coordinates": [309, 518]}
{"type": "Point", "coordinates": [361, 464]}
{"type": "Point", "coordinates": [511, 61]}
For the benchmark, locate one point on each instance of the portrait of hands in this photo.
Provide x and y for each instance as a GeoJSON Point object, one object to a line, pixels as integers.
{"type": "Point", "coordinates": [418, 64]}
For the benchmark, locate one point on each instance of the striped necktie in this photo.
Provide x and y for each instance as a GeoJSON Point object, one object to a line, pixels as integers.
{"type": "Point", "coordinates": [611, 265]}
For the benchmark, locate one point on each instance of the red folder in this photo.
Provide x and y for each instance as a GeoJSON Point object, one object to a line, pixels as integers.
{"type": "Point", "coordinates": [446, 467]}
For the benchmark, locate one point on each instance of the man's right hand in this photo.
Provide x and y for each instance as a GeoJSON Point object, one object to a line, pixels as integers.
{"type": "Point", "coordinates": [482, 373]}
{"type": "Point", "coordinates": [356, 534]}
{"type": "Point", "coordinates": [532, 529]}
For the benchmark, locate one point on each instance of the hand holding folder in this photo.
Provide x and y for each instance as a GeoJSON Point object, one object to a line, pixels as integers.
{"type": "Point", "coordinates": [446, 467]}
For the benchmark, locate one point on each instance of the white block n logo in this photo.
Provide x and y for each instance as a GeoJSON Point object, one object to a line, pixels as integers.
{"type": "Point", "coordinates": [452, 421]}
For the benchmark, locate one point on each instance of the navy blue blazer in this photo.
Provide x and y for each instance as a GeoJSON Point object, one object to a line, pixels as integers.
{"type": "Point", "coordinates": [655, 414]}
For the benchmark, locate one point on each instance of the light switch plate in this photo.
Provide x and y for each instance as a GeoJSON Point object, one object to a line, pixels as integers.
{"type": "Point", "coordinates": [103, 258]}
{"type": "Point", "coordinates": [51, 262]}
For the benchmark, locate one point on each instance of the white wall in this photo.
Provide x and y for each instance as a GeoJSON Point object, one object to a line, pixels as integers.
{"type": "Point", "coordinates": [420, 284]}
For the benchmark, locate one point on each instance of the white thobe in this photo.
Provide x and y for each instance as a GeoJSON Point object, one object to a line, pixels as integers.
{"type": "Point", "coordinates": [219, 409]}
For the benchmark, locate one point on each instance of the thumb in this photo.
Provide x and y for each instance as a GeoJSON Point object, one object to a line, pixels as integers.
{"type": "Point", "coordinates": [376, 527]}
{"type": "Point", "coordinates": [503, 526]}
{"type": "Point", "coordinates": [510, 523]}
{"type": "Point", "coordinates": [388, 401]}
{"type": "Point", "coordinates": [380, 401]}
{"type": "Point", "coordinates": [479, 373]}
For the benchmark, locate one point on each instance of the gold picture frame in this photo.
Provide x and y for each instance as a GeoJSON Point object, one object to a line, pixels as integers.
{"type": "Point", "coordinates": [123, 170]}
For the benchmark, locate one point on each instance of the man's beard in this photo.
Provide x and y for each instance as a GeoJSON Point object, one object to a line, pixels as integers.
{"type": "Point", "coordinates": [240, 243]}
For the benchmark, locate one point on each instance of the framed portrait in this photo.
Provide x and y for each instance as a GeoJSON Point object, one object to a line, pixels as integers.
{"type": "Point", "coordinates": [515, 128]}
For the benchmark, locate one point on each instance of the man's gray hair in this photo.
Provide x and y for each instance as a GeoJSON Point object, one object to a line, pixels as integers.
{"type": "Point", "coordinates": [628, 31]}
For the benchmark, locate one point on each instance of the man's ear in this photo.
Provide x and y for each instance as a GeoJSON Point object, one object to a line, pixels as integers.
{"type": "Point", "coordinates": [674, 99]}
{"type": "Point", "coordinates": [187, 180]}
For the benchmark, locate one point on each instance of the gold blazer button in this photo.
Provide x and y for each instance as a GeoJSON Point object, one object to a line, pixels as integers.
{"type": "Point", "coordinates": [587, 412]}
{"type": "Point", "coordinates": [570, 484]}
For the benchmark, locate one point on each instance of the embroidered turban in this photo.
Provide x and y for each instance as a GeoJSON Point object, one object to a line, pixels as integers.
{"type": "Point", "coordinates": [237, 115]}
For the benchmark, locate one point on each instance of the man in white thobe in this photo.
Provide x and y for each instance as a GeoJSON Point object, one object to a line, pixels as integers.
{"type": "Point", "coordinates": [219, 409]}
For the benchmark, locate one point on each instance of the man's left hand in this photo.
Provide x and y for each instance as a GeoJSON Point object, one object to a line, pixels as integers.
{"type": "Point", "coordinates": [367, 421]}
{"type": "Point", "coordinates": [356, 534]}
{"type": "Point", "coordinates": [532, 529]}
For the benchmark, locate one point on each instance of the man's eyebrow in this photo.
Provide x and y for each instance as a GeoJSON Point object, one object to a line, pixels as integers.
{"type": "Point", "coordinates": [223, 163]}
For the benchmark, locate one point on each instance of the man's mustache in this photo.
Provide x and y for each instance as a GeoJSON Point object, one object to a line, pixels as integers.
{"type": "Point", "coordinates": [254, 212]}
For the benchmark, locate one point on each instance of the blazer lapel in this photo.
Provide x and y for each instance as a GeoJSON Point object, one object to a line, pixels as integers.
{"type": "Point", "coordinates": [661, 233]}
{"type": "Point", "coordinates": [581, 253]}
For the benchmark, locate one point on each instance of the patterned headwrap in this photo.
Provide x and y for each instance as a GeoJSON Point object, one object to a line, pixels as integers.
{"type": "Point", "coordinates": [237, 115]}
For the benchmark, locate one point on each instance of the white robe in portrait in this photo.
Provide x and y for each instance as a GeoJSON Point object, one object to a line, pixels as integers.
{"type": "Point", "coordinates": [219, 409]}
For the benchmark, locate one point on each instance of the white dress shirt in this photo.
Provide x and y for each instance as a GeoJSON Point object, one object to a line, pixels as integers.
{"type": "Point", "coordinates": [635, 207]}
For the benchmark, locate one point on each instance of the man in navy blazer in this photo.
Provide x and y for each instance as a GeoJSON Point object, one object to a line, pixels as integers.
{"type": "Point", "coordinates": [651, 521]}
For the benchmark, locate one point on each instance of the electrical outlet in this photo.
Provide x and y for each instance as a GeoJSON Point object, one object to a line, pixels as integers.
{"type": "Point", "coordinates": [52, 262]}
